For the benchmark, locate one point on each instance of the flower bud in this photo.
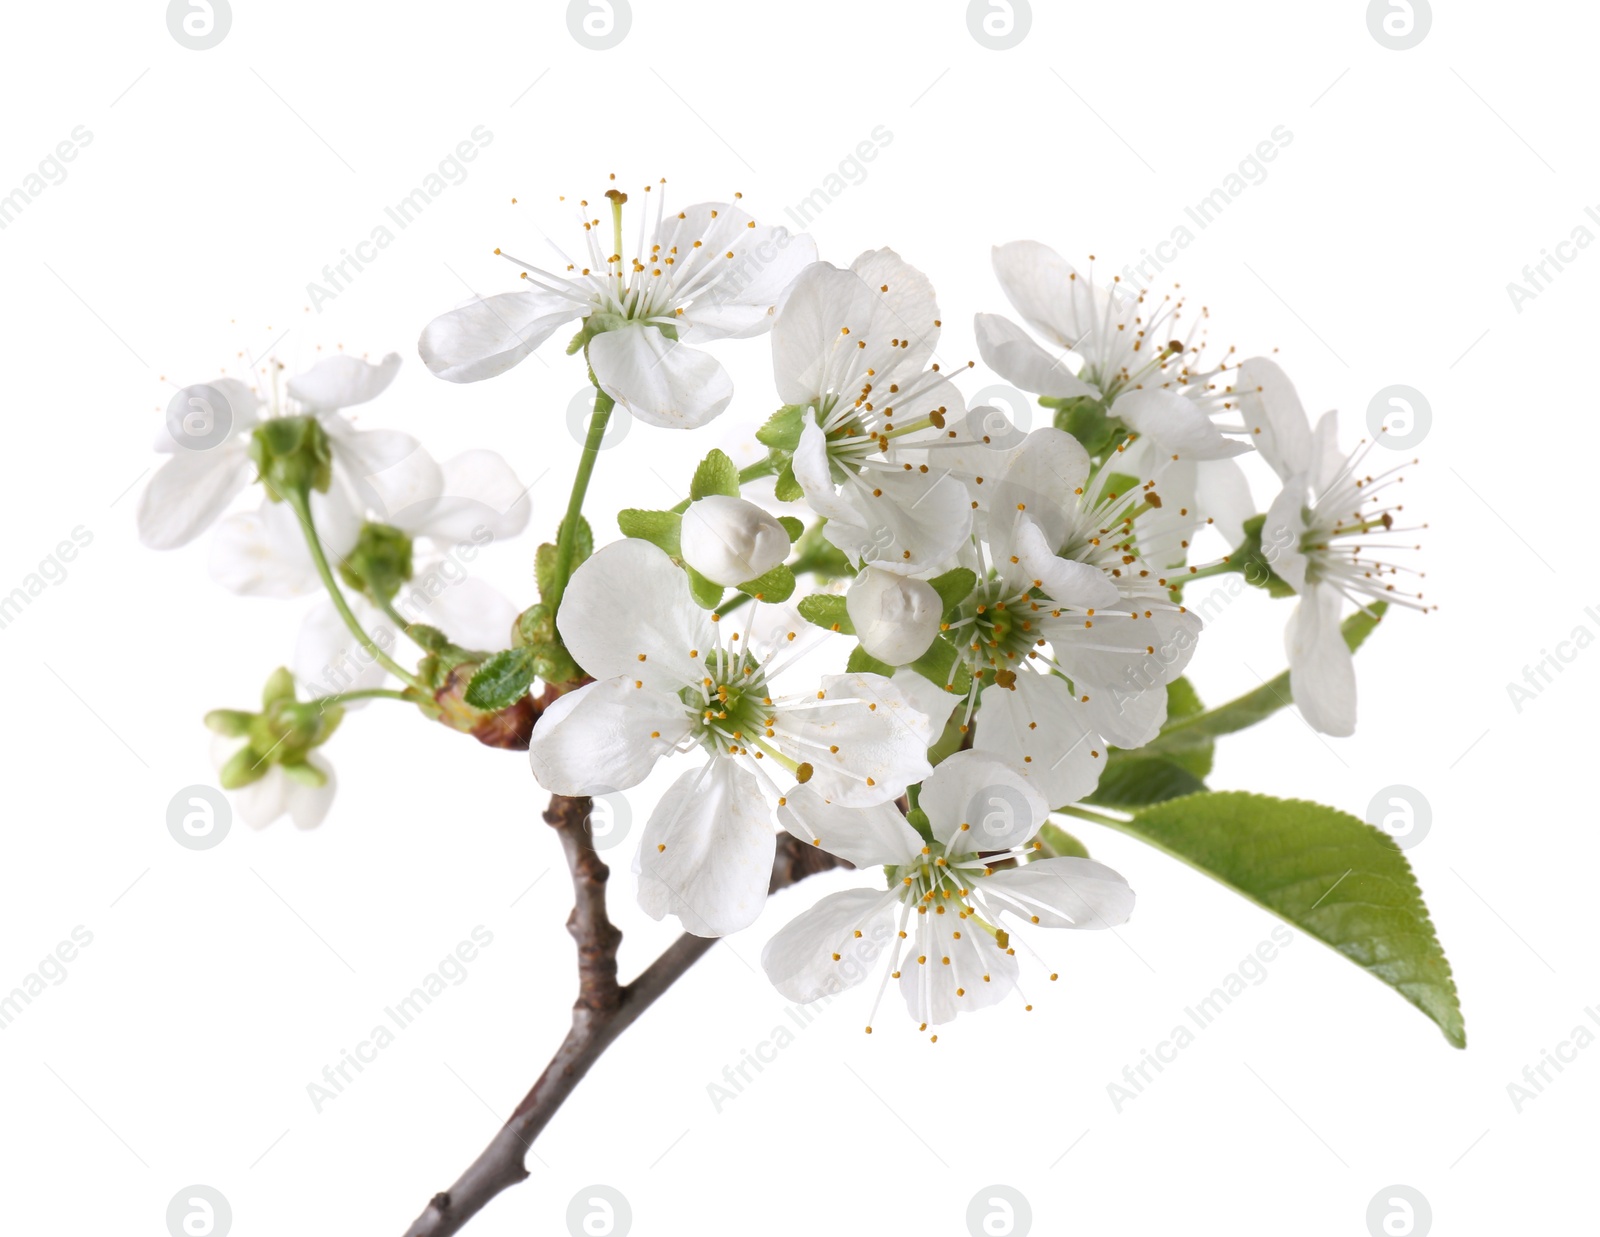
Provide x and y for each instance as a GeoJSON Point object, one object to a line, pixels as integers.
{"type": "Point", "coordinates": [895, 617]}
{"type": "Point", "coordinates": [731, 541]}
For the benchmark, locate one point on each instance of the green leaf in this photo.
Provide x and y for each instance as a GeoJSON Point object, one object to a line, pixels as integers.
{"type": "Point", "coordinates": [786, 489]}
{"type": "Point", "coordinates": [954, 587]}
{"type": "Point", "coordinates": [706, 594]}
{"type": "Point", "coordinates": [1133, 779]}
{"type": "Point", "coordinates": [1198, 729]}
{"type": "Point", "coordinates": [1062, 844]}
{"type": "Point", "coordinates": [863, 662]}
{"type": "Point", "coordinates": [1182, 700]}
{"type": "Point", "coordinates": [827, 610]}
{"type": "Point", "coordinates": [783, 427]}
{"type": "Point", "coordinates": [1329, 874]}
{"type": "Point", "coordinates": [715, 475]}
{"type": "Point", "coordinates": [775, 585]}
{"type": "Point", "coordinates": [502, 680]}
{"type": "Point", "coordinates": [795, 528]}
{"type": "Point", "coordinates": [659, 528]}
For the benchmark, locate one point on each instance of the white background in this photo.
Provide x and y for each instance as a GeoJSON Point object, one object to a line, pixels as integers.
{"type": "Point", "coordinates": [1377, 251]}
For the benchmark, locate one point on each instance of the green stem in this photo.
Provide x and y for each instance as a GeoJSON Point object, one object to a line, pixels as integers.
{"type": "Point", "coordinates": [761, 468]}
{"type": "Point", "coordinates": [301, 505]}
{"type": "Point", "coordinates": [367, 693]}
{"type": "Point", "coordinates": [567, 539]}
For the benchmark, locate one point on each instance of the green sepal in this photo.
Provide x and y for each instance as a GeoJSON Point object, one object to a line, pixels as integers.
{"type": "Point", "coordinates": [942, 664]}
{"type": "Point", "coordinates": [1252, 560]}
{"type": "Point", "coordinates": [241, 769]}
{"type": "Point", "coordinates": [306, 773]}
{"type": "Point", "coordinates": [292, 456]}
{"type": "Point", "coordinates": [794, 527]}
{"type": "Point", "coordinates": [782, 429]}
{"type": "Point", "coordinates": [827, 610]}
{"type": "Point", "coordinates": [715, 474]}
{"type": "Point", "coordinates": [228, 722]}
{"type": "Point", "coordinates": [661, 529]}
{"type": "Point", "coordinates": [707, 595]}
{"type": "Point", "coordinates": [786, 489]}
{"type": "Point", "coordinates": [1084, 417]}
{"type": "Point", "coordinates": [863, 662]}
{"type": "Point", "coordinates": [278, 688]}
{"type": "Point", "coordinates": [954, 587]}
{"type": "Point", "coordinates": [775, 585]}
{"type": "Point", "coordinates": [544, 563]}
{"type": "Point", "coordinates": [380, 562]}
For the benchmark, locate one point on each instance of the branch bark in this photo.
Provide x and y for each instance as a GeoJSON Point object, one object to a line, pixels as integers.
{"type": "Point", "coordinates": [603, 1010]}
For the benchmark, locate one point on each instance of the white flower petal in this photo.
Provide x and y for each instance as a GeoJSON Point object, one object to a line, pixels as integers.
{"type": "Point", "coordinates": [882, 739]}
{"type": "Point", "coordinates": [1133, 654]}
{"type": "Point", "coordinates": [978, 972]}
{"type": "Point", "coordinates": [1042, 481]}
{"type": "Point", "coordinates": [262, 553]}
{"type": "Point", "coordinates": [1282, 531]}
{"type": "Point", "coordinates": [659, 380]}
{"type": "Point", "coordinates": [1221, 492]}
{"type": "Point", "coordinates": [865, 837]}
{"type": "Point", "coordinates": [263, 800]}
{"type": "Point", "coordinates": [1272, 411]}
{"type": "Point", "coordinates": [1061, 893]}
{"type": "Point", "coordinates": [1008, 350]}
{"type": "Point", "coordinates": [740, 303]}
{"type": "Point", "coordinates": [706, 855]}
{"type": "Point", "coordinates": [343, 381]}
{"type": "Point", "coordinates": [480, 498]}
{"type": "Point", "coordinates": [391, 474]}
{"type": "Point", "coordinates": [1125, 717]}
{"type": "Point", "coordinates": [1322, 673]}
{"type": "Point", "coordinates": [812, 472]}
{"type": "Point", "coordinates": [308, 805]}
{"type": "Point", "coordinates": [328, 659]}
{"type": "Point", "coordinates": [976, 803]}
{"type": "Point", "coordinates": [472, 612]}
{"type": "Point", "coordinates": [1064, 581]}
{"type": "Point", "coordinates": [1040, 727]}
{"type": "Point", "coordinates": [1177, 424]}
{"type": "Point", "coordinates": [189, 492]}
{"type": "Point", "coordinates": [604, 736]}
{"type": "Point", "coordinates": [831, 946]}
{"type": "Point", "coordinates": [1042, 286]}
{"type": "Point", "coordinates": [928, 697]}
{"type": "Point", "coordinates": [491, 335]}
{"type": "Point", "coordinates": [627, 611]}
{"type": "Point", "coordinates": [242, 409]}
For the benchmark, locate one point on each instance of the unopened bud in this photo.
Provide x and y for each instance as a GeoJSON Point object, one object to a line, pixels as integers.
{"type": "Point", "coordinates": [895, 617]}
{"type": "Point", "coordinates": [731, 541]}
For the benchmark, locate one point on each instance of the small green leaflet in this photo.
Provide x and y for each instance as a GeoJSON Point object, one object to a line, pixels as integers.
{"type": "Point", "coordinates": [775, 585]}
{"type": "Point", "coordinates": [782, 430]}
{"type": "Point", "coordinates": [954, 587]}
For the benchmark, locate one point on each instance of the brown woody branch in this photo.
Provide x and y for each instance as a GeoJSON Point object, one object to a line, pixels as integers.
{"type": "Point", "coordinates": [603, 1010]}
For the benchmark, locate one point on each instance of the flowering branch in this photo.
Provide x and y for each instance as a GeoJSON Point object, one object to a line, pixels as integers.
{"type": "Point", "coordinates": [603, 1010]}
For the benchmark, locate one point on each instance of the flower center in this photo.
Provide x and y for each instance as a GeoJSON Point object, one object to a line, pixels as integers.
{"type": "Point", "coordinates": [732, 704]}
